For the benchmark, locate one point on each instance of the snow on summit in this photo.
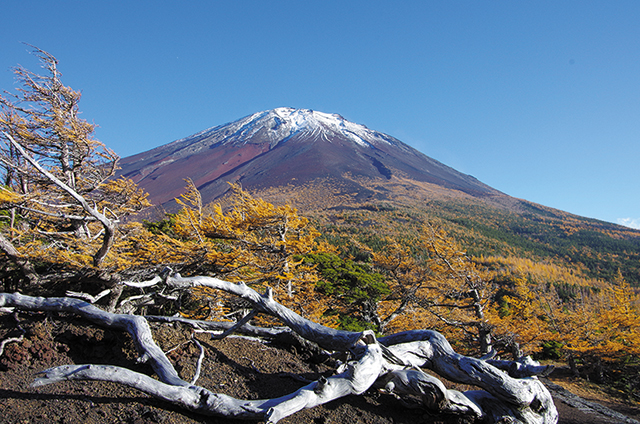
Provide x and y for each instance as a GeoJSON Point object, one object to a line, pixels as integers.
{"type": "Point", "coordinates": [280, 124]}
{"type": "Point", "coordinates": [276, 126]}
{"type": "Point", "coordinates": [310, 120]}
{"type": "Point", "coordinates": [284, 145]}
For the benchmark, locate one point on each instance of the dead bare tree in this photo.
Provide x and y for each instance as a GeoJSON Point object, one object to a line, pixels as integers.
{"type": "Point", "coordinates": [511, 392]}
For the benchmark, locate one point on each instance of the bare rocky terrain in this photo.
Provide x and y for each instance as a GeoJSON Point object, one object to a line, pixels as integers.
{"type": "Point", "coordinates": [235, 366]}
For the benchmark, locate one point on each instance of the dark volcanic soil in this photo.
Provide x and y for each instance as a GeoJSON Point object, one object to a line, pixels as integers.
{"type": "Point", "coordinates": [238, 367]}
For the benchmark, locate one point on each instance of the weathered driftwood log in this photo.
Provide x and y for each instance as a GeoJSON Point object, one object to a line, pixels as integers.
{"type": "Point", "coordinates": [393, 364]}
{"type": "Point", "coordinates": [524, 400]}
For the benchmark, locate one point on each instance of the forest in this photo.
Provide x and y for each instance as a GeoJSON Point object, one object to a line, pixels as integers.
{"type": "Point", "coordinates": [480, 289]}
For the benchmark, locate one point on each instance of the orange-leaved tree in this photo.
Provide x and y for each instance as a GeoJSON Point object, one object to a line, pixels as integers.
{"type": "Point", "coordinates": [563, 315]}
{"type": "Point", "coordinates": [605, 329]}
{"type": "Point", "coordinates": [250, 240]}
{"type": "Point", "coordinates": [435, 284]}
{"type": "Point", "coordinates": [60, 204]}
{"type": "Point", "coordinates": [617, 332]}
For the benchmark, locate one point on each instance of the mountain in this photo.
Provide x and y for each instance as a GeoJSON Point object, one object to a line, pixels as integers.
{"type": "Point", "coordinates": [357, 183]}
{"type": "Point", "coordinates": [287, 146]}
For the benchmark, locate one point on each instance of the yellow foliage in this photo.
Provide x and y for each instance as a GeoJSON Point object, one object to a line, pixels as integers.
{"type": "Point", "coordinates": [434, 285]}
{"type": "Point", "coordinates": [252, 241]}
{"type": "Point", "coordinates": [8, 196]}
{"type": "Point", "coordinates": [591, 319]}
{"type": "Point", "coordinates": [609, 328]}
{"type": "Point", "coordinates": [63, 204]}
{"type": "Point", "coordinates": [122, 196]}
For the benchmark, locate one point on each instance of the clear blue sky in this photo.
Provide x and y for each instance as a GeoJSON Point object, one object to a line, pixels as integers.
{"type": "Point", "coordinates": [538, 99]}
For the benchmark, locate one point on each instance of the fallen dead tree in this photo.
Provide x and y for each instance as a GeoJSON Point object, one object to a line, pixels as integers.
{"type": "Point", "coordinates": [394, 364]}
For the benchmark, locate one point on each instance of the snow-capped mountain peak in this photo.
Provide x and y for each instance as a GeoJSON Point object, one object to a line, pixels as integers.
{"type": "Point", "coordinates": [285, 146]}
{"type": "Point", "coordinates": [306, 119]}
{"type": "Point", "coordinates": [280, 124]}
{"type": "Point", "coordinates": [299, 120]}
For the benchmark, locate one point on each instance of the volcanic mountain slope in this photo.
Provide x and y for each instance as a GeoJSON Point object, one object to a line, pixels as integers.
{"type": "Point", "coordinates": [325, 165]}
{"type": "Point", "coordinates": [287, 146]}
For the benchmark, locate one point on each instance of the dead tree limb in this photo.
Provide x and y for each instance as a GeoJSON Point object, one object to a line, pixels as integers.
{"type": "Point", "coordinates": [393, 363]}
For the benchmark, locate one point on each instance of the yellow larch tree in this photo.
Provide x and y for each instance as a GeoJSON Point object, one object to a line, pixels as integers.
{"type": "Point", "coordinates": [585, 321]}
{"type": "Point", "coordinates": [434, 284]}
{"type": "Point", "coordinates": [609, 328]}
{"type": "Point", "coordinates": [250, 240]}
{"type": "Point", "coordinates": [65, 208]}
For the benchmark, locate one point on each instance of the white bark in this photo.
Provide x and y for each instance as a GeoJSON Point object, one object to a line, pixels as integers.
{"type": "Point", "coordinates": [135, 325]}
{"type": "Point", "coordinates": [393, 363]}
{"type": "Point", "coordinates": [327, 338]}
{"type": "Point", "coordinates": [523, 400]}
{"type": "Point", "coordinates": [432, 392]}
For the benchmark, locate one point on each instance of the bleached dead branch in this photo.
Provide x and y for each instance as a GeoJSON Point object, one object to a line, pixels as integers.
{"type": "Point", "coordinates": [393, 364]}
